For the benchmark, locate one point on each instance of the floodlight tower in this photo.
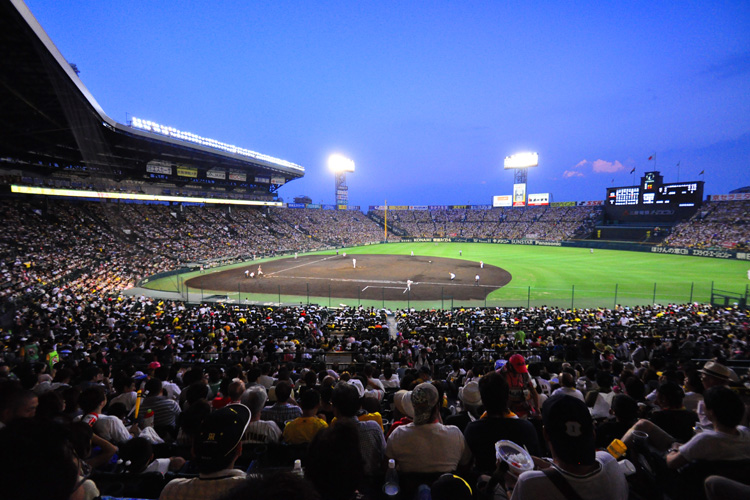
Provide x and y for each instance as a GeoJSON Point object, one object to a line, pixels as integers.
{"type": "Point", "coordinates": [520, 164]}
{"type": "Point", "coordinates": [340, 165]}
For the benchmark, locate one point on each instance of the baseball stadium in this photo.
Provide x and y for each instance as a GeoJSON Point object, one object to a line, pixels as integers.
{"type": "Point", "coordinates": [157, 278]}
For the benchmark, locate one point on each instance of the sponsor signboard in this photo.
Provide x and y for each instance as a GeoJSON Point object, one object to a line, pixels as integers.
{"type": "Point", "coordinates": [216, 174]}
{"type": "Point", "coordinates": [187, 172]}
{"type": "Point", "coordinates": [237, 176]}
{"type": "Point", "coordinates": [519, 195]}
{"type": "Point", "coordinates": [278, 180]}
{"type": "Point", "coordinates": [505, 200]}
{"type": "Point", "coordinates": [539, 199]}
{"type": "Point", "coordinates": [730, 197]}
{"type": "Point", "coordinates": [295, 205]}
{"type": "Point", "coordinates": [262, 179]}
{"type": "Point", "coordinates": [162, 168]}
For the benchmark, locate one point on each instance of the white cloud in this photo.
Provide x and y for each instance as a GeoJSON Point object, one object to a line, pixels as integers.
{"type": "Point", "coordinates": [572, 173]}
{"type": "Point", "coordinates": [581, 164]}
{"type": "Point", "coordinates": [600, 166]}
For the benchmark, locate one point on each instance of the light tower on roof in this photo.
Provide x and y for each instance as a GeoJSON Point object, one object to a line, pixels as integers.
{"type": "Point", "coordinates": [340, 165]}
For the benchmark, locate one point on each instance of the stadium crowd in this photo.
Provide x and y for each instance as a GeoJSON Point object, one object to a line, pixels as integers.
{"type": "Point", "coordinates": [718, 225]}
{"type": "Point", "coordinates": [548, 223]}
{"type": "Point", "coordinates": [73, 357]}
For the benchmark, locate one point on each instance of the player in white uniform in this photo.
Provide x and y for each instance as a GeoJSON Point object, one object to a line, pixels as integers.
{"type": "Point", "coordinates": [408, 286]}
{"type": "Point", "coordinates": [453, 276]}
{"type": "Point", "coordinates": [354, 263]}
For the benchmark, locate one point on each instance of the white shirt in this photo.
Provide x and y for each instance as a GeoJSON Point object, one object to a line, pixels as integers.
{"type": "Point", "coordinates": [607, 482]}
{"type": "Point", "coordinates": [428, 448]}
{"type": "Point", "coordinates": [569, 391]}
{"type": "Point", "coordinates": [715, 445]}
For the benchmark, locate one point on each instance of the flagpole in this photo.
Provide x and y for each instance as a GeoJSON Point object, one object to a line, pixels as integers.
{"type": "Point", "coordinates": [678, 171]}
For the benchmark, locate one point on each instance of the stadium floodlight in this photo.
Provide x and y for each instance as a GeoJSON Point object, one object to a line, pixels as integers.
{"type": "Point", "coordinates": [522, 160]}
{"type": "Point", "coordinates": [150, 126]}
{"type": "Point", "coordinates": [339, 163]}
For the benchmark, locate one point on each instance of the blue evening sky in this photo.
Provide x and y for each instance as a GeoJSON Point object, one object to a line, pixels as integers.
{"type": "Point", "coordinates": [428, 98]}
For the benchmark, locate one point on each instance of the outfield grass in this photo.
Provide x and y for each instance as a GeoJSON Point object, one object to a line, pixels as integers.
{"type": "Point", "coordinates": [565, 277]}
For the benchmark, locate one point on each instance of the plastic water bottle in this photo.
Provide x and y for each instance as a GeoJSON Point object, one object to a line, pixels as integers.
{"type": "Point", "coordinates": [390, 487]}
{"type": "Point", "coordinates": [424, 492]}
{"type": "Point", "coordinates": [298, 468]}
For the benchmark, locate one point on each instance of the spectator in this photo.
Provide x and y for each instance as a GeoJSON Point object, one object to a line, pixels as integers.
{"type": "Point", "coordinates": [569, 432]}
{"type": "Point", "coordinates": [426, 445]}
{"type": "Point", "coordinates": [217, 447]}
{"type": "Point", "coordinates": [259, 431]}
{"type": "Point", "coordinates": [282, 411]}
{"type": "Point", "coordinates": [482, 434]}
{"type": "Point", "coordinates": [346, 403]}
{"type": "Point", "coordinates": [303, 429]}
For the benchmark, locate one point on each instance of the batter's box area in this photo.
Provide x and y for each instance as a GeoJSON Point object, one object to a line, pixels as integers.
{"type": "Point", "coordinates": [373, 277]}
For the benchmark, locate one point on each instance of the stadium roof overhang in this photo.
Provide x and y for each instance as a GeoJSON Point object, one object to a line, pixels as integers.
{"type": "Point", "coordinates": [51, 122]}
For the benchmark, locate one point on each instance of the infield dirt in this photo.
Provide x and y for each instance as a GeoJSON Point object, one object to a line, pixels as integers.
{"type": "Point", "coordinates": [375, 277]}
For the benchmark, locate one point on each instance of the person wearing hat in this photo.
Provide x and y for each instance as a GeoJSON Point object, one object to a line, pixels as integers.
{"type": "Point", "coordinates": [402, 402]}
{"type": "Point", "coordinates": [471, 404]}
{"type": "Point", "coordinates": [426, 445]}
{"type": "Point", "coordinates": [713, 374]}
{"type": "Point", "coordinates": [216, 448]}
{"type": "Point", "coordinates": [523, 399]}
{"type": "Point", "coordinates": [569, 433]}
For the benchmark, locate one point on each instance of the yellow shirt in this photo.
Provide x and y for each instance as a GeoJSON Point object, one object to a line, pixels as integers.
{"type": "Point", "coordinates": [303, 429]}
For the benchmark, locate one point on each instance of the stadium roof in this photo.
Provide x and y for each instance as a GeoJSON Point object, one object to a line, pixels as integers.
{"type": "Point", "coordinates": [50, 121]}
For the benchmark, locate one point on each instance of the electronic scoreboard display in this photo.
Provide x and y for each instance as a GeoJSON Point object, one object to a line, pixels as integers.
{"type": "Point", "coordinates": [653, 200]}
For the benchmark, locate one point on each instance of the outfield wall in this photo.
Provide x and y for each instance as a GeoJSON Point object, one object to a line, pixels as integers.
{"type": "Point", "coordinates": [604, 245]}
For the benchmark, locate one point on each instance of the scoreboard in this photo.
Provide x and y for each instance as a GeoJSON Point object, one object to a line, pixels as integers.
{"type": "Point", "coordinates": [653, 201]}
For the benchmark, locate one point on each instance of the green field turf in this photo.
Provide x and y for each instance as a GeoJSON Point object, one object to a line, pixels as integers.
{"type": "Point", "coordinates": [566, 277]}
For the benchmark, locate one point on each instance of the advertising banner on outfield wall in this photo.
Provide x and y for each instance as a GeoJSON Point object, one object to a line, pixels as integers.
{"type": "Point", "coordinates": [594, 203]}
{"type": "Point", "coordinates": [563, 204]}
{"type": "Point", "coordinates": [505, 200]}
{"type": "Point", "coordinates": [730, 197]}
{"type": "Point", "coordinates": [328, 207]}
{"type": "Point", "coordinates": [295, 205]}
{"type": "Point", "coordinates": [438, 207]}
{"type": "Point", "coordinates": [608, 245]}
{"type": "Point", "coordinates": [539, 199]}
{"type": "Point", "coordinates": [313, 205]}
{"type": "Point", "coordinates": [481, 207]}
{"type": "Point", "coordinates": [519, 195]}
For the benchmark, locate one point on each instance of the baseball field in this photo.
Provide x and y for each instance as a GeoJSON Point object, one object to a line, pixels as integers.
{"type": "Point", "coordinates": [444, 275]}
